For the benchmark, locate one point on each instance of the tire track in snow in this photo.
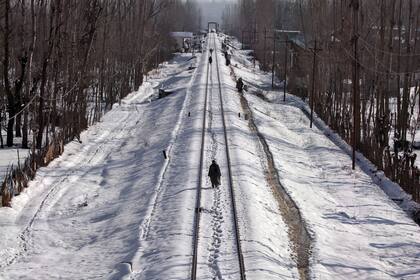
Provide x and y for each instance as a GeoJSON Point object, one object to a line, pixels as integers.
{"type": "Point", "coordinates": [26, 235]}
{"type": "Point", "coordinates": [144, 228]}
{"type": "Point", "coordinates": [297, 229]}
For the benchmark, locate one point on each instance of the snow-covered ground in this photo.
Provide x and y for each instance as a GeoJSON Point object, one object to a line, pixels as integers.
{"type": "Point", "coordinates": [267, 249]}
{"type": "Point", "coordinates": [10, 157]}
{"type": "Point", "coordinates": [165, 251]}
{"type": "Point", "coordinates": [84, 214]}
{"type": "Point", "coordinates": [114, 208]}
{"type": "Point", "coordinates": [264, 240]}
{"type": "Point", "coordinates": [358, 231]}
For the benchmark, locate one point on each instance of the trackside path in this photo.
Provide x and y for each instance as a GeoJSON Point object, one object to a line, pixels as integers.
{"type": "Point", "coordinates": [265, 243]}
{"type": "Point", "coordinates": [358, 232]}
{"type": "Point", "coordinates": [166, 240]}
{"type": "Point", "coordinates": [83, 215]}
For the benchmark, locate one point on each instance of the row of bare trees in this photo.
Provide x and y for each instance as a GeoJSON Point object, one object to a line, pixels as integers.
{"type": "Point", "coordinates": [65, 63]}
{"type": "Point", "coordinates": [369, 55]}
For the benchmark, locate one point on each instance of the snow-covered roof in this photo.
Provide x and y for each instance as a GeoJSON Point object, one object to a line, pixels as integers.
{"type": "Point", "coordinates": [294, 36]}
{"type": "Point", "coordinates": [297, 38]}
{"type": "Point", "coordinates": [287, 31]}
{"type": "Point", "coordinates": [182, 34]}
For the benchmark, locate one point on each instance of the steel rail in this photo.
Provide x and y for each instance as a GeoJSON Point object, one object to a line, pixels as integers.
{"type": "Point", "coordinates": [232, 192]}
{"type": "Point", "coordinates": [200, 181]}
{"type": "Point", "coordinates": [200, 185]}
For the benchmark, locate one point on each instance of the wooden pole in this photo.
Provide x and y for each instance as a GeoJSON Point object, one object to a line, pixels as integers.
{"type": "Point", "coordinates": [265, 46]}
{"type": "Point", "coordinates": [315, 49]}
{"type": "Point", "coordinates": [356, 97]}
{"type": "Point", "coordinates": [274, 59]}
{"type": "Point", "coordinates": [285, 70]}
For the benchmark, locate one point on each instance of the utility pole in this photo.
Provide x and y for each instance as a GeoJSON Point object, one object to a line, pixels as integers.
{"type": "Point", "coordinates": [265, 46]}
{"type": "Point", "coordinates": [255, 33]}
{"type": "Point", "coordinates": [315, 51]}
{"type": "Point", "coordinates": [248, 35]}
{"type": "Point", "coordinates": [157, 57]}
{"type": "Point", "coordinates": [274, 60]}
{"type": "Point", "coordinates": [356, 94]}
{"type": "Point", "coordinates": [286, 54]}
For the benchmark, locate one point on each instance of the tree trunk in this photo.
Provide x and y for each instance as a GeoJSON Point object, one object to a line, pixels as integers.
{"type": "Point", "coordinates": [407, 76]}
{"type": "Point", "coordinates": [44, 76]}
{"type": "Point", "coordinates": [9, 95]}
{"type": "Point", "coordinates": [28, 84]}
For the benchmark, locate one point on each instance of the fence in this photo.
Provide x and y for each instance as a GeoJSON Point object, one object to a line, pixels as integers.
{"type": "Point", "coordinates": [18, 177]}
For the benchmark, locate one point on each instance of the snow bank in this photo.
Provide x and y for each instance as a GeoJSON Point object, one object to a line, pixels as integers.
{"type": "Point", "coordinates": [81, 217]}
{"type": "Point", "coordinates": [358, 231]}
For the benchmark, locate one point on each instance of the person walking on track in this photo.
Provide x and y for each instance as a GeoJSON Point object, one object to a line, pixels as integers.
{"type": "Point", "coordinates": [210, 59]}
{"type": "Point", "coordinates": [214, 174]}
{"type": "Point", "coordinates": [240, 85]}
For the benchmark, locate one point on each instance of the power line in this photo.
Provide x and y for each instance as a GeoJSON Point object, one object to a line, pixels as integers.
{"type": "Point", "coordinates": [374, 22]}
{"type": "Point", "coordinates": [387, 52]}
{"type": "Point", "coordinates": [48, 99]}
{"type": "Point", "coordinates": [391, 73]}
{"type": "Point", "coordinates": [23, 109]}
{"type": "Point", "coordinates": [65, 94]}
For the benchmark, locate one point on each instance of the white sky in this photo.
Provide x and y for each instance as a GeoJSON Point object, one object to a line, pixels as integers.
{"type": "Point", "coordinates": [212, 10]}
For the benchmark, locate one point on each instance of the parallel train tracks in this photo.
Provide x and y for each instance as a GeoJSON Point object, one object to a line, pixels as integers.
{"type": "Point", "coordinates": [201, 181]}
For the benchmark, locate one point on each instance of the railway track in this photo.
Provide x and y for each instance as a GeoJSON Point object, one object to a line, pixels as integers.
{"type": "Point", "coordinates": [201, 182]}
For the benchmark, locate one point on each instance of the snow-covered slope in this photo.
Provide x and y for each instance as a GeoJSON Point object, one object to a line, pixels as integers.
{"type": "Point", "coordinates": [358, 231]}
{"type": "Point", "coordinates": [114, 208]}
{"type": "Point", "coordinates": [83, 214]}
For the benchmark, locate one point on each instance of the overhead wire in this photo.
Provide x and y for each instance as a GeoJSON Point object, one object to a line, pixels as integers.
{"type": "Point", "coordinates": [387, 52]}
{"type": "Point", "coordinates": [65, 94]}
{"type": "Point", "coordinates": [23, 109]}
{"type": "Point", "coordinates": [389, 73]}
{"type": "Point", "coordinates": [47, 99]}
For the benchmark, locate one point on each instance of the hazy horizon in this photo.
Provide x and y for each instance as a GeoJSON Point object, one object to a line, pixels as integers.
{"type": "Point", "coordinates": [212, 10]}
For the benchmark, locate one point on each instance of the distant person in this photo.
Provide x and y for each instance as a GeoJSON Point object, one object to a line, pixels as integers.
{"type": "Point", "coordinates": [214, 174]}
{"type": "Point", "coordinates": [227, 59]}
{"type": "Point", "coordinates": [240, 85]}
{"type": "Point", "coordinates": [210, 59]}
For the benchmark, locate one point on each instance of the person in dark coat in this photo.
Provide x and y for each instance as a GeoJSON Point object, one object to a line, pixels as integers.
{"type": "Point", "coordinates": [210, 59]}
{"type": "Point", "coordinates": [240, 85]}
{"type": "Point", "coordinates": [214, 174]}
{"type": "Point", "coordinates": [227, 56]}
